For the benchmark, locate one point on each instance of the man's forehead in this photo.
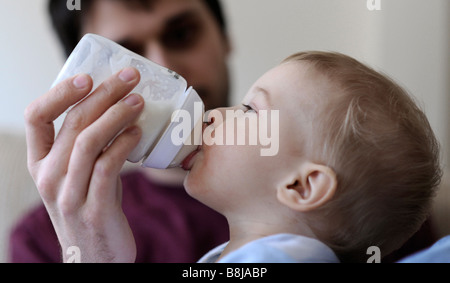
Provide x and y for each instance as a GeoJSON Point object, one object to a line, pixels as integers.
{"type": "Point", "coordinates": [131, 4]}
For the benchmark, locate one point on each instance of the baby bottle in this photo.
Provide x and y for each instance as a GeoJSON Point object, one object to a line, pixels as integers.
{"type": "Point", "coordinates": [172, 119]}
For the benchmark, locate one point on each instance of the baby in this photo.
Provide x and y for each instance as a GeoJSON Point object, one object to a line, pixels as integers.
{"type": "Point", "coordinates": [358, 165]}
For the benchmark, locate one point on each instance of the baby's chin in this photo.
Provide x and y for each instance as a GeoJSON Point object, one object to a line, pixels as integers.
{"type": "Point", "coordinates": [196, 181]}
{"type": "Point", "coordinates": [194, 185]}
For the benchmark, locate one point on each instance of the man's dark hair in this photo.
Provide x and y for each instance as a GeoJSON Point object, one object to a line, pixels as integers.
{"type": "Point", "coordinates": [67, 23]}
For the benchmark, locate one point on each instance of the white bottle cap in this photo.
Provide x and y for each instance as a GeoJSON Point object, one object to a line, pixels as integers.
{"type": "Point", "coordinates": [166, 149]}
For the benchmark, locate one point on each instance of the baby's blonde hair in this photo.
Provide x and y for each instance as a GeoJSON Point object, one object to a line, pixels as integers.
{"type": "Point", "coordinates": [383, 150]}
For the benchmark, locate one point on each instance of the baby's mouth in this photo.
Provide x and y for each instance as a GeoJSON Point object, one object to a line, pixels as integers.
{"type": "Point", "coordinates": [189, 161]}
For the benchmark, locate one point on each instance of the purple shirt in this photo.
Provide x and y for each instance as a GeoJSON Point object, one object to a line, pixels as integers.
{"type": "Point", "coordinates": [168, 226]}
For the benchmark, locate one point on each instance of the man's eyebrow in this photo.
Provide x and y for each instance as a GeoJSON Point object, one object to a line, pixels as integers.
{"type": "Point", "coordinates": [170, 21]}
{"type": "Point", "coordinates": [125, 42]}
{"type": "Point", "coordinates": [187, 14]}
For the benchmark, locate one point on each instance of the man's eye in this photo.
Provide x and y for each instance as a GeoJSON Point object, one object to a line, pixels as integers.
{"type": "Point", "coordinates": [248, 109]}
{"type": "Point", "coordinates": [181, 36]}
{"type": "Point", "coordinates": [134, 47]}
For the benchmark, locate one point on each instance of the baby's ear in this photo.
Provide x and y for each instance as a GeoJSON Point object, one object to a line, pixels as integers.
{"type": "Point", "coordinates": [311, 187]}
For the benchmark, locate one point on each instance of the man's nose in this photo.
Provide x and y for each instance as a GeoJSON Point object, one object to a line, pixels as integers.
{"type": "Point", "coordinates": [158, 54]}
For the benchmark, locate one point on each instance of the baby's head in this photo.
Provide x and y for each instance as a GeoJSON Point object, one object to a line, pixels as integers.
{"type": "Point", "coordinates": [357, 166]}
{"type": "Point", "coordinates": [382, 149]}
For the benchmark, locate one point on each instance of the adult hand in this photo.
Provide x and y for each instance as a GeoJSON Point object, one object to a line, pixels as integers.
{"type": "Point", "coordinates": [77, 173]}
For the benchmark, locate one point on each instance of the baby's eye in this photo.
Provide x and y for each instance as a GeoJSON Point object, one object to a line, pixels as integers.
{"type": "Point", "coordinates": [248, 109]}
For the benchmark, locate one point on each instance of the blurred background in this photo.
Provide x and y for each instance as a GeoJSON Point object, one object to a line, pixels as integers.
{"type": "Point", "coordinates": [407, 39]}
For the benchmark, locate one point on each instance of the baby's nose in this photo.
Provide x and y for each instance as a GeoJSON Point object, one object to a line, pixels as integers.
{"type": "Point", "coordinates": [214, 115]}
{"type": "Point", "coordinates": [208, 119]}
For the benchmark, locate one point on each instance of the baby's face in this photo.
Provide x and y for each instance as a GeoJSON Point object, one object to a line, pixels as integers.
{"type": "Point", "coordinates": [235, 177]}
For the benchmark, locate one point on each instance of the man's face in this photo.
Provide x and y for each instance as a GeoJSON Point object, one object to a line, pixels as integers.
{"type": "Point", "coordinates": [181, 35]}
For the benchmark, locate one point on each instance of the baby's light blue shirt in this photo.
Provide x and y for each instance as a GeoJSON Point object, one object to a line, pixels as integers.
{"type": "Point", "coordinates": [280, 248]}
{"type": "Point", "coordinates": [438, 253]}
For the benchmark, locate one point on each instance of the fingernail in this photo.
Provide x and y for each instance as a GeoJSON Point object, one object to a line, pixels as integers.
{"type": "Point", "coordinates": [127, 75]}
{"type": "Point", "coordinates": [132, 100]}
{"type": "Point", "coordinates": [81, 81]}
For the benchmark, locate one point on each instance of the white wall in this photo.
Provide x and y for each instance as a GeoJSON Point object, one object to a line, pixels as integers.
{"type": "Point", "coordinates": [30, 58]}
{"type": "Point", "coordinates": [267, 31]}
{"type": "Point", "coordinates": [416, 51]}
